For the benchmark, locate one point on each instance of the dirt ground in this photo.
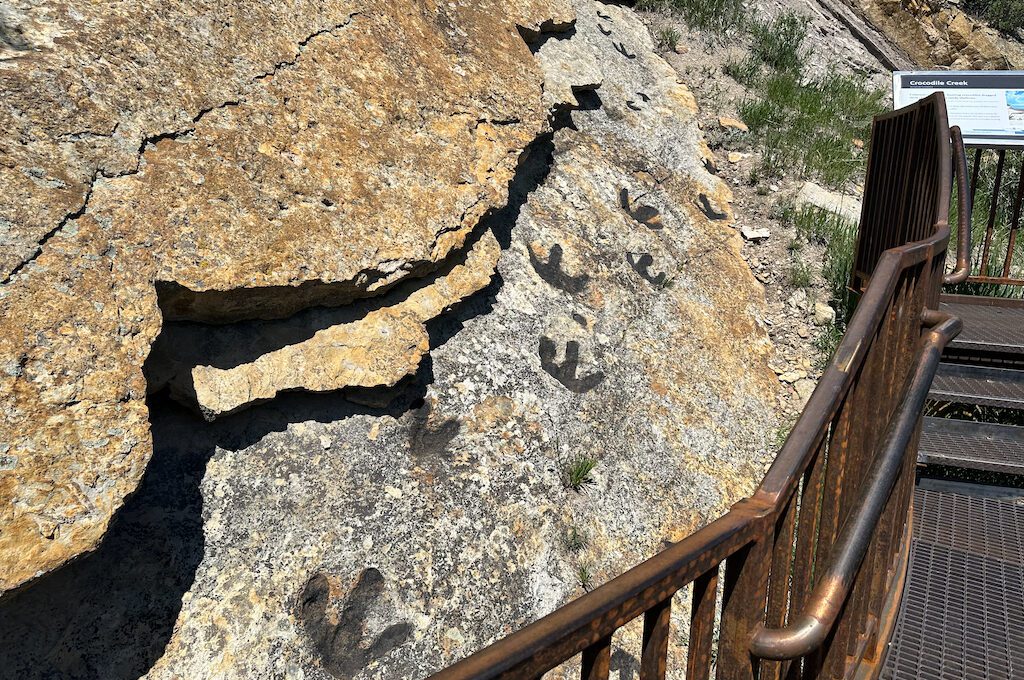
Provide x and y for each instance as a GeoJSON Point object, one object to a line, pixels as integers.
{"type": "Point", "coordinates": [700, 61]}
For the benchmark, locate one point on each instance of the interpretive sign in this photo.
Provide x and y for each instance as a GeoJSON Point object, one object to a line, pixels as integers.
{"type": "Point", "coordinates": [987, 105]}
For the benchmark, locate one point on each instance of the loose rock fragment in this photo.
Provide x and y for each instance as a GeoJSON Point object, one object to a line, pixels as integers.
{"type": "Point", "coordinates": [755, 233]}
{"type": "Point", "coordinates": [733, 124]}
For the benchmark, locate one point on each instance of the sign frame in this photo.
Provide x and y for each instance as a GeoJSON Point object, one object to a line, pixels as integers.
{"type": "Point", "coordinates": [981, 93]}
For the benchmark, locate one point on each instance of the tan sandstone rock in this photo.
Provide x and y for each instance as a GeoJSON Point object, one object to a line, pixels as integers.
{"type": "Point", "coordinates": [241, 160]}
{"type": "Point", "coordinates": [377, 350]}
{"type": "Point", "coordinates": [934, 35]}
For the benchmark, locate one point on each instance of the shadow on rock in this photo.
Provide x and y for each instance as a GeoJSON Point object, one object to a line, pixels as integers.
{"type": "Point", "coordinates": [111, 613]}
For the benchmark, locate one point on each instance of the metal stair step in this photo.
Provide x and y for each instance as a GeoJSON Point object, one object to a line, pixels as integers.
{"type": "Point", "coordinates": [962, 614]}
{"type": "Point", "coordinates": [991, 325]}
{"type": "Point", "coordinates": [975, 446]}
{"type": "Point", "coordinates": [986, 386]}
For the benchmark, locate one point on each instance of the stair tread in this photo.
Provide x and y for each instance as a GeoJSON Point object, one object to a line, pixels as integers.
{"type": "Point", "coordinates": [989, 325]}
{"type": "Point", "coordinates": [983, 385]}
{"type": "Point", "coordinates": [976, 446]}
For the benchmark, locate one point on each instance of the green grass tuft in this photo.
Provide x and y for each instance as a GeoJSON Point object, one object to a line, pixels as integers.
{"type": "Point", "coordinates": [807, 129]}
{"type": "Point", "coordinates": [585, 577]}
{"type": "Point", "coordinates": [576, 539]}
{"type": "Point", "coordinates": [716, 16]}
{"type": "Point", "coordinates": [577, 473]}
{"type": "Point", "coordinates": [668, 38]}
{"type": "Point", "coordinates": [799, 274]}
{"type": "Point", "coordinates": [1006, 15]}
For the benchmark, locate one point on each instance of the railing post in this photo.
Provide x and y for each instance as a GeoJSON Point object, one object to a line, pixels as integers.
{"type": "Point", "coordinates": [654, 657]}
{"type": "Point", "coordinates": [702, 625]}
{"type": "Point", "coordinates": [597, 660]}
{"type": "Point", "coordinates": [744, 601]}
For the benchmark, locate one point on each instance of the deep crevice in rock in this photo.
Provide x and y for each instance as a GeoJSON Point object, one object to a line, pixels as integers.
{"type": "Point", "coordinates": [549, 30]}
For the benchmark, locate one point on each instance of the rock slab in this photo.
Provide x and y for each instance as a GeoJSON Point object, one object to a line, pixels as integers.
{"type": "Point", "coordinates": [247, 160]}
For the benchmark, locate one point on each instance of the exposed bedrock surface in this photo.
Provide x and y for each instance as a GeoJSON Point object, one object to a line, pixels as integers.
{"type": "Point", "coordinates": [403, 499]}
{"type": "Point", "coordinates": [244, 160]}
{"type": "Point", "coordinates": [939, 33]}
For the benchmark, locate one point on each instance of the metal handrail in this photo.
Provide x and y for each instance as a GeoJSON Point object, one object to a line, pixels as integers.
{"type": "Point", "coordinates": [751, 540]}
{"type": "Point", "coordinates": [810, 628]}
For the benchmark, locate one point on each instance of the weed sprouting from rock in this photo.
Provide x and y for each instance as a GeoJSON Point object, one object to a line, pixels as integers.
{"type": "Point", "coordinates": [577, 472]}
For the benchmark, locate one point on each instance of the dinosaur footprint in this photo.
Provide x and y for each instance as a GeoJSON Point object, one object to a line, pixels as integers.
{"type": "Point", "coordinates": [551, 271]}
{"type": "Point", "coordinates": [338, 630]}
{"type": "Point", "coordinates": [641, 265]}
{"type": "Point", "coordinates": [632, 103]}
{"type": "Point", "coordinates": [710, 210]}
{"type": "Point", "coordinates": [621, 49]}
{"type": "Point", "coordinates": [565, 372]}
{"type": "Point", "coordinates": [644, 214]}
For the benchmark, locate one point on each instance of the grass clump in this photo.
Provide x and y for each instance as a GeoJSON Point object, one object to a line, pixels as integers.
{"type": "Point", "coordinates": [778, 43]}
{"type": "Point", "coordinates": [668, 38]}
{"type": "Point", "coordinates": [577, 473]}
{"type": "Point", "coordinates": [576, 539]}
{"type": "Point", "coordinates": [807, 128]}
{"type": "Point", "coordinates": [1006, 15]}
{"type": "Point", "coordinates": [585, 577]}
{"type": "Point", "coordinates": [707, 15]}
{"type": "Point", "coordinates": [839, 236]}
{"type": "Point", "coordinates": [799, 274]}
{"type": "Point", "coordinates": [804, 127]}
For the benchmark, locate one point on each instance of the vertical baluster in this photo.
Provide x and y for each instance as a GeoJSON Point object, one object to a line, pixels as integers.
{"type": "Point", "coordinates": [779, 580]}
{"type": "Point", "coordinates": [743, 606]}
{"type": "Point", "coordinates": [597, 660]}
{"type": "Point", "coordinates": [1014, 224]}
{"type": "Point", "coordinates": [702, 625]}
{"type": "Point", "coordinates": [993, 211]}
{"type": "Point", "coordinates": [879, 560]}
{"type": "Point", "coordinates": [654, 656]}
{"type": "Point", "coordinates": [975, 174]}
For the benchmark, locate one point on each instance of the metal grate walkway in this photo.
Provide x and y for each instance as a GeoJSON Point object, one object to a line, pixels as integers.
{"type": "Point", "coordinates": [982, 385]}
{"type": "Point", "coordinates": [975, 446]}
{"type": "Point", "coordinates": [990, 324]}
{"type": "Point", "coordinates": [962, 614]}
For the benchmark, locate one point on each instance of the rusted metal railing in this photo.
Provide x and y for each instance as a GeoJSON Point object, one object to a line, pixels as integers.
{"type": "Point", "coordinates": [802, 579]}
{"type": "Point", "coordinates": [996, 255]}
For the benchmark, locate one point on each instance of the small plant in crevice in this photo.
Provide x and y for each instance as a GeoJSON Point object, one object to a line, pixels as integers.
{"type": "Point", "coordinates": [576, 539]}
{"type": "Point", "coordinates": [577, 473]}
{"type": "Point", "coordinates": [585, 576]}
